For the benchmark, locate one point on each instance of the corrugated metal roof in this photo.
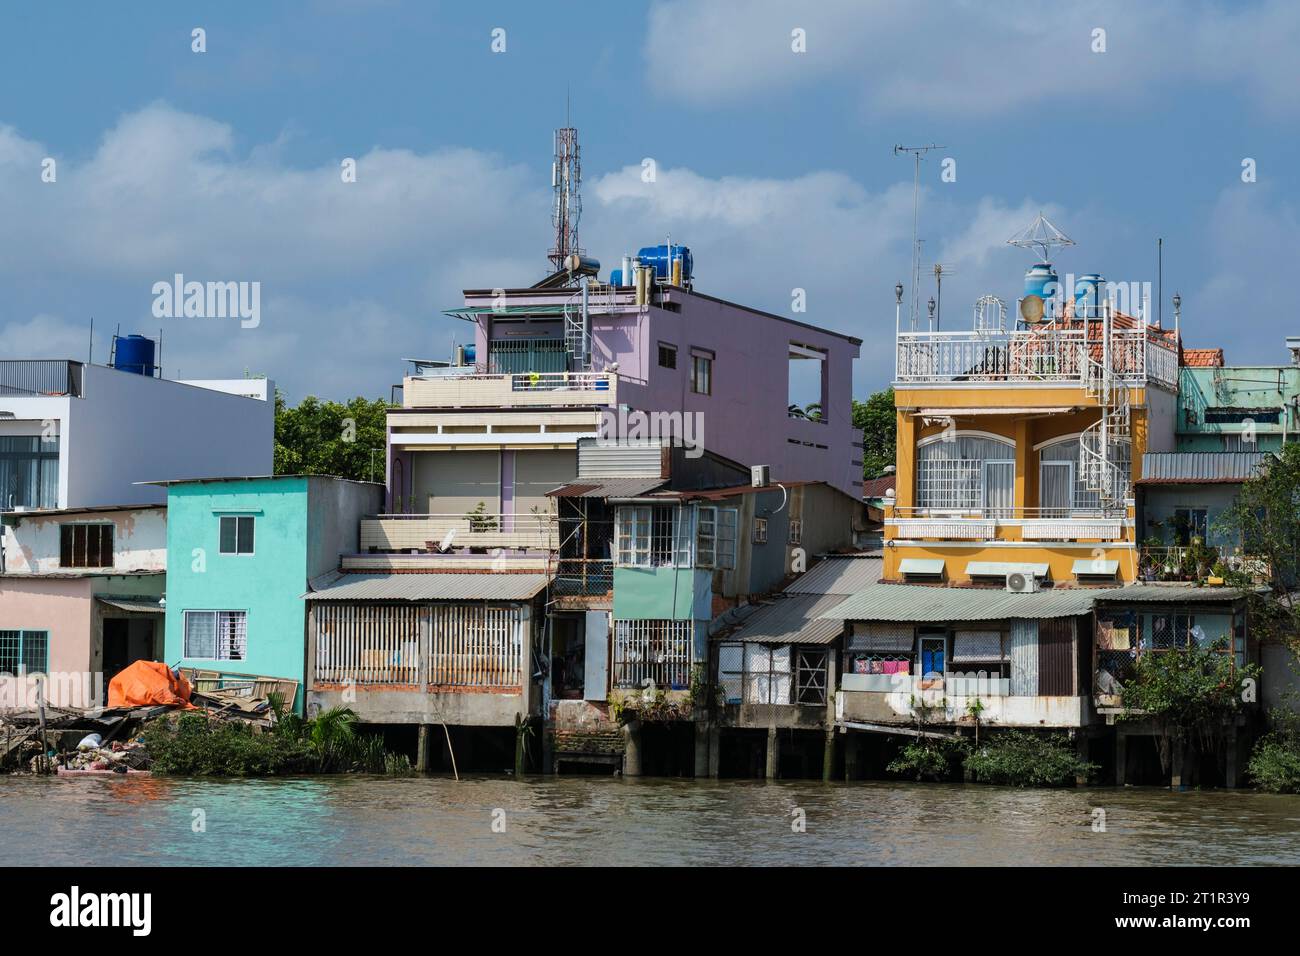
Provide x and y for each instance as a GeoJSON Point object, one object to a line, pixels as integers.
{"type": "Point", "coordinates": [1200, 466]}
{"type": "Point", "coordinates": [1169, 593]}
{"type": "Point", "coordinates": [797, 619]}
{"type": "Point", "coordinates": [607, 488]}
{"type": "Point", "coordinates": [835, 574]}
{"type": "Point", "coordinates": [919, 604]}
{"type": "Point", "coordinates": [428, 587]}
{"type": "Point", "coordinates": [138, 605]}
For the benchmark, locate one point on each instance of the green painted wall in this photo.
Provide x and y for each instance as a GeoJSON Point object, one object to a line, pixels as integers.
{"type": "Point", "coordinates": [662, 594]}
{"type": "Point", "coordinates": [267, 584]}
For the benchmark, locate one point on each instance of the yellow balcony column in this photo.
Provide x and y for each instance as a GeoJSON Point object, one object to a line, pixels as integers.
{"type": "Point", "coordinates": [1025, 491]}
{"type": "Point", "coordinates": [904, 484]}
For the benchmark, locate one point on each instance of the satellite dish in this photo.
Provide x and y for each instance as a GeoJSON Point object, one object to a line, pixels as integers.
{"type": "Point", "coordinates": [1031, 308]}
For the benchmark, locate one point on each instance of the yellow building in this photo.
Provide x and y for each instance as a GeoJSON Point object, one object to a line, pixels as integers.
{"type": "Point", "coordinates": [1017, 449]}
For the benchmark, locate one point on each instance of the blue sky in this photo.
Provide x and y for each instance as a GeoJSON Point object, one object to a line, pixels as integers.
{"type": "Point", "coordinates": [774, 166]}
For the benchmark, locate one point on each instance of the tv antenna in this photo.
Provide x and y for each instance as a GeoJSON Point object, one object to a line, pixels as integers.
{"type": "Point", "coordinates": [917, 153]}
{"type": "Point", "coordinates": [1041, 236]}
{"type": "Point", "coordinates": [940, 271]}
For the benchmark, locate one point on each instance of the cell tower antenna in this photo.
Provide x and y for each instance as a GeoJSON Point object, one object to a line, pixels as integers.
{"type": "Point", "coordinates": [566, 181]}
{"type": "Point", "coordinates": [917, 152]}
{"type": "Point", "coordinates": [1040, 236]}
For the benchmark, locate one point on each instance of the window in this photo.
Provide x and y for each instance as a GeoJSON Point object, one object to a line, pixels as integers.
{"type": "Point", "coordinates": [810, 677]}
{"type": "Point", "coordinates": [1190, 523]}
{"type": "Point", "coordinates": [667, 355]}
{"type": "Point", "coordinates": [24, 652]}
{"type": "Point", "coordinates": [216, 635]}
{"type": "Point", "coordinates": [1247, 441]}
{"type": "Point", "coordinates": [653, 652]}
{"type": "Point", "coordinates": [806, 394]}
{"type": "Point", "coordinates": [715, 540]}
{"type": "Point", "coordinates": [653, 536]}
{"type": "Point", "coordinates": [29, 472]}
{"type": "Point", "coordinates": [236, 534]}
{"type": "Point", "coordinates": [702, 373]}
{"type": "Point", "coordinates": [796, 531]}
{"type": "Point", "coordinates": [760, 531]}
{"type": "Point", "coordinates": [86, 546]}
{"type": "Point", "coordinates": [951, 474]}
{"type": "Point", "coordinates": [1062, 485]}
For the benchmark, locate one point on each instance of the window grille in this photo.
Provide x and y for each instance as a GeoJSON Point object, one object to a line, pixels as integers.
{"type": "Point", "coordinates": [216, 635]}
{"type": "Point", "coordinates": [653, 652]}
{"type": "Point", "coordinates": [24, 652]}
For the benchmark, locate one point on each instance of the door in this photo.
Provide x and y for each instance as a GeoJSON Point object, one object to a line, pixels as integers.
{"type": "Point", "coordinates": [596, 677]}
{"type": "Point", "coordinates": [1056, 488]}
{"type": "Point", "coordinates": [934, 653]}
{"type": "Point", "coordinates": [999, 488]}
{"type": "Point", "coordinates": [1056, 657]}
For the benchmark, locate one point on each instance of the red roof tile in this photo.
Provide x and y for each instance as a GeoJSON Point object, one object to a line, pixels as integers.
{"type": "Point", "coordinates": [1203, 358]}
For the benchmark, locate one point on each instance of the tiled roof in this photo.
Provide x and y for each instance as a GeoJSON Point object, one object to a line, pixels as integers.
{"type": "Point", "coordinates": [1203, 358]}
{"type": "Point", "coordinates": [876, 487]}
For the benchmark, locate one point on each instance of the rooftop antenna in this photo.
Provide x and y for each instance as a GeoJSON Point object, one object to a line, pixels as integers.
{"type": "Point", "coordinates": [1041, 236]}
{"type": "Point", "coordinates": [1160, 282]}
{"type": "Point", "coordinates": [566, 181]}
{"type": "Point", "coordinates": [940, 270]}
{"type": "Point", "coordinates": [917, 152]}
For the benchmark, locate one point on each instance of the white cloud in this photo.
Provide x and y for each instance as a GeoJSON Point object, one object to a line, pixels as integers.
{"type": "Point", "coordinates": [967, 58]}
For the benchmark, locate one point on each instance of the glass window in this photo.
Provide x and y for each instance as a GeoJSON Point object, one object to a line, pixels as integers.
{"type": "Point", "coordinates": [653, 536]}
{"type": "Point", "coordinates": [1190, 523]}
{"type": "Point", "coordinates": [667, 355]}
{"type": "Point", "coordinates": [29, 472]}
{"type": "Point", "coordinates": [216, 635]}
{"type": "Point", "coordinates": [716, 537]}
{"type": "Point", "coordinates": [951, 475]}
{"type": "Point", "coordinates": [236, 534]}
{"type": "Point", "coordinates": [760, 531]}
{"type": "Point", "coordinates": [1081, 497]}
{"type": "Point", "coordinates": [701, 375]}
{"type": "Point", "coordinates": [24, 652]}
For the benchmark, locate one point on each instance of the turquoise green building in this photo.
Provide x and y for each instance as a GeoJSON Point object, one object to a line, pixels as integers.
{"type": "Point", "coordinates": [240, 552]}
{"type": "Point", "coordinates": [1238, 408]}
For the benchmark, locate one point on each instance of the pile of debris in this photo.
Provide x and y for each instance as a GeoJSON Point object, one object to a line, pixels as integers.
{"type": "Point", "coordinates": [93, 756]}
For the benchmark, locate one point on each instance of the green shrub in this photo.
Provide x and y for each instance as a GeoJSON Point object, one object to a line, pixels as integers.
{"type": "Point", "coordinates": [928, 758]}
{"type": "Point", "coordinates": [1275, 762]}
{"type": "Point", "coordinates": [1023, 759]}
{"type": "Point", "coordinates": [197, 746]}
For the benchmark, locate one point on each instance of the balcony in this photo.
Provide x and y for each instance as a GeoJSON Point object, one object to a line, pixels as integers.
{"type": "Point", "coordinates": [40, 378]}
{"type": "Point", "coordinates": [1049, 355]}
{"type": "Point", "coordinates": [459, 532]}
{"type": "Point", "coordinates": [467, 388]}
{"type": "Point", "coordinates": [984, 524]}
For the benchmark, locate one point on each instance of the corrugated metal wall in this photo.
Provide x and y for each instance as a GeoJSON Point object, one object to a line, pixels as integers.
{"type": "Point", "coordinates": [1024, 658]}
{"type": "Point", "coordinates": [1056, 657]}
{"type": "Point", "coordinates": [618, 461]}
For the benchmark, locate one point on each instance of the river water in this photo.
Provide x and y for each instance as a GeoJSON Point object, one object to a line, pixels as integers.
{"type": "Point", "coordinates": [599, 820]}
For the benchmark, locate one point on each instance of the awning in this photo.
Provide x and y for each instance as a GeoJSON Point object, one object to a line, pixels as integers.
{"type": "Point", "coordinates": [137, 605]}
{"type": "Point", "coordinates": [470, 312]}
{"type": "Point", "coordinates": [793, 620]}
{"type": "Point", "coordinates": [1095, 566]}
{"type": "Point", "coordinates": [1170, 593]}
{"type": "Point", "coordinates": [607, 488]}
{"type": "Point", "coordinates": [1001, 410]}
{"type": "Point", "coordinates": [920, 566]}
{"type": "Point", "coordinates": [428, 586]}
{"type": "Point", "coordinates": [919, 604]}
{"type": "Point", "coordinates": [999, 569]}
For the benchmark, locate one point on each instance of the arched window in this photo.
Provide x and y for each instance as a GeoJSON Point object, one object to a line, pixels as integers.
{"type": "Point", "coordinates": [966, 472]}
{"type": "Point", "coordinates": [1061, 488]}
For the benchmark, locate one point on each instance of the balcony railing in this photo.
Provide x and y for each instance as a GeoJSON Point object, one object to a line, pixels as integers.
{"type": "Point", "coordinates": [1035, 524]}
{"type": "Point", "coordinates": [1197, 562]}
{"type": "Point", "coordinates": [583, 577]}
{"type": "Point", "coordinates": [457, 532]}
{"type": "Point", "coordinates": [1030, 356]}
{"type": "Point", "coordinates": [37, 377]}
{"type": "Point", "coordinates": [468, 388]}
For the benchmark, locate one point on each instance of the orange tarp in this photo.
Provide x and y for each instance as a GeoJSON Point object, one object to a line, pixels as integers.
{"type": "Point", "coordinates": [148, 683]}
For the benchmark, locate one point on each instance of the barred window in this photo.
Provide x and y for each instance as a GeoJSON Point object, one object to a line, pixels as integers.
{"type": "Point", "coordinates": [760, 531]}
{"type": "Point", "coordinates": [653, 536]}
{"type": "Point", "coordinates": [951, 475]}
{"type": "Point", "coordinates": [24, 652]}
{"type": "Point", "coordinates": [216, 635]}
{"type": "Point", "coordinates": [653, 653]}
{"type": "Point", "coordinates": [86, 546]}
{"type": "Point", "coordinates": [796, 531]}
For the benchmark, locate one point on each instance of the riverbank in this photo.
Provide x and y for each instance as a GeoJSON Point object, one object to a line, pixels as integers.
{"type": "Point", "coordinates": [372, 821]}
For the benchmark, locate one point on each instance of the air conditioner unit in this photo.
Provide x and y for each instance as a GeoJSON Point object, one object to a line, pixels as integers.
{"type": "Point", "coordinates": [1019, 582]}
{"type": "Point", "coordinates": [760, 476]}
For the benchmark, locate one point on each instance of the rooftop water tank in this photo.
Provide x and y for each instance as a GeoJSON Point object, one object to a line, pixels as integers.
{"type": "Point", "coordinates": [134, 353]}
{"type": "Point", "coordinates": [1041, 281]}
{"type": "Point", "coordinates": [1089, 294]}
{"type": "Point", "coordinates": [661, 258]}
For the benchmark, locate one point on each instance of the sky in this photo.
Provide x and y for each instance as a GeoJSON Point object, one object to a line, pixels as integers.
{"type": "Point", "coordinates": [769, 128]}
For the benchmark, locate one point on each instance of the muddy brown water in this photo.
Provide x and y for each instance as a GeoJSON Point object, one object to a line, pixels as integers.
{"type": "Point", "coordinates": [374, 821]}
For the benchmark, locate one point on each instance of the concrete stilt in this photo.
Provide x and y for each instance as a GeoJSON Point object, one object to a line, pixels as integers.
{"type": "Point", "coordinates": [702, 734]}
{"type": "Point", "coordinates": [1081, 748]}
{"type": "Point", "coordinates": [1230, 768]}
{"type": "Point", "coordinates": [828, 756]}
{"type": "Point", "coordinates": [422, 748]}
{"type": "Point", "coordinates": [851, 746]}
{"type": "Point", "coordinates": [632, 749]}
{"type": "Point", "coordinates": [1176, 760]}
{"type": "Point", "coordinates": [715, 749]}
{"type": "Point", "coordinates": [521, 734]}
{"type": "Point", "coordinates": [1121, 758]}
{"type": "Point", "coordinates": [548, 749]}
{"type": "Point", "coordinates": [773, 754]}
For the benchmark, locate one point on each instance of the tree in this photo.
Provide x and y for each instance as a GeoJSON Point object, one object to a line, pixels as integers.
{"type": "Point", "coordinates": [879, 427]}
{"type": "Point", "coordinates": [327, 438]}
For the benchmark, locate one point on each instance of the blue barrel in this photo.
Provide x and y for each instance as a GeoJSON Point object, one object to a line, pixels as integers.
{"type": "Point", "coordinates": [1041, 281]}
{"type": "Point", "coordinates": [1089, 294]}
{"type": "Point", "coordinates": [616, 278]}
{"type": "Point", "coordinates": [662, 261]}
{"type": "Point", "coordinates": [471, 351]}
{"type": "Point", "coordinates": [134, 353]}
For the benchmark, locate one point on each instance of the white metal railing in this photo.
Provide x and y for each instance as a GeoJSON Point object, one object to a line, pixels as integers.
{"type": "Point", "coordinates": [443, 645]}
{"type": "Point", "coordinates": [658, 652]}
{"type": "Point", "coordinates": [1036, 524]}
{"type": "Point", "coordinates": [1048, 355]}
{"type": "Point", "coordinates": [520, 381]}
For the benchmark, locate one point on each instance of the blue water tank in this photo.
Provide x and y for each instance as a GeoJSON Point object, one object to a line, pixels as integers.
{"type": "Point", "coordinates": [658, 256]}
{"type": "Point", "coordinates": [134, 353]}
{"type": "Point", "coordinates": [1089, 294]}
{"type": "Point", "coordinates": [1041, 281]}
{"type": "Point", "coordinates": [616, 278]}
{"type": "Point", "coordinates": [471, 352]}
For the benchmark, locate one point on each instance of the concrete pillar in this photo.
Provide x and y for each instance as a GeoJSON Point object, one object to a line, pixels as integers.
{"type": "Point", "coordinates": [1081, 748]}
{"type": "Point", "coordinates": [851, 746]}
{"type": "Point", "coordinates": [702, 734]}
{"type": "Point", "coordinates": [828, 756]}
{"type": "Point", "coordinates": [521, 729]}
{"type": "Point", "coordinates": [715, 749]}
{"type": "Point", "coordinates": [548, 748]}
{"type": "Point", "coordinates": [1230, 769]}
{"type": "Point", "coordinates": [1176, 759]}
{"type": "Point", "coordinates": [773, 755]}
{"type": "Point", "coordinates": [1121, 758]}
{"type": "Point", "coordinates": [632, 749]}
{"type": "Point", "coordinates": [422, 748]}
